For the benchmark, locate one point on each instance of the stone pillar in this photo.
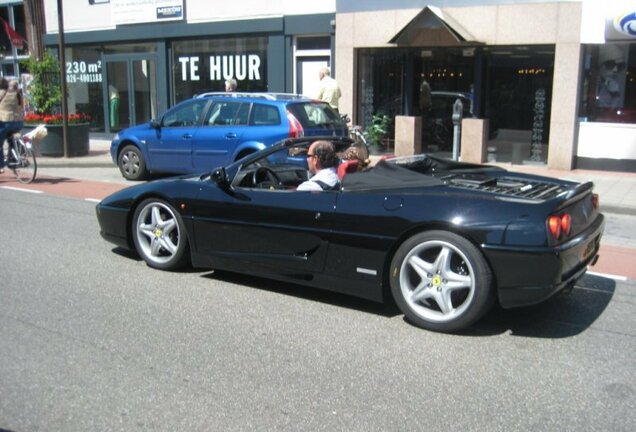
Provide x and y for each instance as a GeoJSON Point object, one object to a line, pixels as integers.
{"type": "Point", "coordinates": [564, 109]}
{"type": "Point", "coordinates": [474, 140]}
{"type": "Point", "coordinates": [408, 135]}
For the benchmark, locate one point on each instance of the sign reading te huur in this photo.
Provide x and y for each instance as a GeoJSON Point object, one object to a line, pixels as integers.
{"type": "Point", "coordinates": [620, 23]}
{"type": "Point", "coordinates": [220, 67]}
{"type": "Point", "coordinates": [143, 11]}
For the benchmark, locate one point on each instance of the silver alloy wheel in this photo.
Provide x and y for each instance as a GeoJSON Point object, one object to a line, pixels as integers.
{"type": "Point", "coordinates": [130, 163]}
{"type": "Point", "coordinates": [437, 281]}
{"type": "Point", "coordinates": [158, 233]}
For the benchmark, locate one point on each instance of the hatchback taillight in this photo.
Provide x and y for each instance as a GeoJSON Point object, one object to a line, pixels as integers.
{"type": "Point", "coordinates": [560, 225]}
{"type": "Point", "coordinates": [295, 128]}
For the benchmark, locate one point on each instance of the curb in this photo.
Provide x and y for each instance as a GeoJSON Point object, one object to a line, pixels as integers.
{"type": "Point", "coordinates": [45, 163]}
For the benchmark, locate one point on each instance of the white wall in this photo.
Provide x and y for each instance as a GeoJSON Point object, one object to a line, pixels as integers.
{"type": "Point", "coordinates": [79, 15]}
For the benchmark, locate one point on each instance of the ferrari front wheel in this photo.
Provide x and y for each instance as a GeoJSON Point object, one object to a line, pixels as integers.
{"type": "Point", "coordinates": [159, 235]}
{"type": "Point", "coordinates": [441, 281]}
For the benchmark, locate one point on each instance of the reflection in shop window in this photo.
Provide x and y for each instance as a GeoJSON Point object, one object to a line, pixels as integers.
{"type": "Point", "coordinates": [609, 85]}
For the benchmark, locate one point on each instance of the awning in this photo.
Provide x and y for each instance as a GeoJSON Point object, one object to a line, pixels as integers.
{"type": "Point", "coordinates": [431, 27]}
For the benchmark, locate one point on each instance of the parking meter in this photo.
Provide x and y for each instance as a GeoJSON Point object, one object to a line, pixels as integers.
{"type": "Point", "coordinates": [458, 110]}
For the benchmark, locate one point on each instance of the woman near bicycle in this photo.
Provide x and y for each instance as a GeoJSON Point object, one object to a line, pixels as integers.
{"type": "Point", "coordinates": [11, 112]}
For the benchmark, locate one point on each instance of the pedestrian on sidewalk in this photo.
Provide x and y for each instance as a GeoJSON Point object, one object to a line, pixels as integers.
{"type": "Point", "coordinates": [329, 90]}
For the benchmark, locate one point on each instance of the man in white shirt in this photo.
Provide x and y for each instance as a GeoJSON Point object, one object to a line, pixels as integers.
{"type": "Point", "coordinates": [321, 159]}
{"type": "Point", "coordinates": [329, 90]}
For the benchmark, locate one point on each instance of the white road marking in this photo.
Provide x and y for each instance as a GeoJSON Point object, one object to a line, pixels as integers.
{"type": "Point", "coordinates": [606, 275]}
{"type": "Point", "coordinates": [23, 190]}
{"type": "Point", "coordinates": [92, 200]}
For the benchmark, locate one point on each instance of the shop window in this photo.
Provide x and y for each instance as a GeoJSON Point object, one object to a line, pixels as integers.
{"type": "Point", "coordinates": [416, 81]}
{"type": "Point", "coordinates": [14, 16]}
{"type": "Point", "coordinates": [200, 66]}
{"type": "Point", "coordinates": [517, 102]}
{"type": "Point", "coordinates": [609, 83]}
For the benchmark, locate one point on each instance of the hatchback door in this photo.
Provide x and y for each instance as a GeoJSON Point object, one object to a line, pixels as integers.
{"type": "Point", "coordinates": [172, 150]}
{"type": "Point", "coordinates": [219, 135]}
{"type": "Point", "coordinates": [267, 125]}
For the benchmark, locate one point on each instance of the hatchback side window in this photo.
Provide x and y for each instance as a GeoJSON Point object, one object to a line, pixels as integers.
{"type": "Point", "coordinates": [224, 113]}
{"type": "Point", "coordinates": [187, 114]}
{"type": "Point", "coordinates": [265, 115]}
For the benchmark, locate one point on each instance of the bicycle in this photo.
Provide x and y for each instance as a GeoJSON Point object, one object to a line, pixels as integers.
{"type": "Point", "coordinates": [20, 158]}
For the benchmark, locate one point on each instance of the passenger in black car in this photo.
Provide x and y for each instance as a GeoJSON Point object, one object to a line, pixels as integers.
{"type": "Point", "coordinates": [321, 159]}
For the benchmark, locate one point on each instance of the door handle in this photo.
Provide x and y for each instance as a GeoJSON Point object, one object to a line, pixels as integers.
{"type": "Point", "coordinates": [186, 136]}
{"type": "Point", "coordinates": [230, 135]}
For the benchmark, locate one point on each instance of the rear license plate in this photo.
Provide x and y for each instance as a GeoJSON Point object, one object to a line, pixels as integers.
{"type": "Point", "coordinates": [589, 249]}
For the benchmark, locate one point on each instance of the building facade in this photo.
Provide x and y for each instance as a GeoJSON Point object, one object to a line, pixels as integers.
{"type": "Point", "coordinates": [128, 61]}
{"type": "Point", "coordinates": [538, 72]}
{"type": "Point", "coordinates": [554, 81]}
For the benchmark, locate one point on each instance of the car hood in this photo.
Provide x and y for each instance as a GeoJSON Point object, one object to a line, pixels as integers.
{"type": "Point", "coordinates": [136, 131]}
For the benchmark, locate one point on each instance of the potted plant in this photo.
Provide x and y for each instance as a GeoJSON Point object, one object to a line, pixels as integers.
{"type": "Point", "coordinates": [43, 96]}
{"type": "Point", "coordinates": [377, 131]}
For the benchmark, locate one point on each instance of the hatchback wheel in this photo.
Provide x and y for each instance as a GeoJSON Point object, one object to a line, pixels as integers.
{"type": "Point", "coordinates": [132, 164]}
{"type": "Point", "coordinates": [441, 281]}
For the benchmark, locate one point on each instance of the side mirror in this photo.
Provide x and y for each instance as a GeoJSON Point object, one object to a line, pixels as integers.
{"type": "Point", "coordinates": [219, 176]}
{"type": "Point", "coordinates": [154, 123]}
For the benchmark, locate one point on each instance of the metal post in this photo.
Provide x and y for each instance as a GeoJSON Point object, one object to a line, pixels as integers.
{"type": "Point", "coordinates": [61, 48]}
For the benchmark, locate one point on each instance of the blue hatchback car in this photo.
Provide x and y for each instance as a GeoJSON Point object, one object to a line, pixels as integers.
{"type": "Point", "coordinates": [215, 129]}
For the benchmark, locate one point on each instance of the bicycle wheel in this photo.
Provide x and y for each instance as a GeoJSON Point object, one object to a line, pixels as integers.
{"type": "Point", "coordinates": [24, 165]}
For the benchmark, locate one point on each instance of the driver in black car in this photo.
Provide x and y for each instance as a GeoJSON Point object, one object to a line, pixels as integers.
{"type": "Point", "coordinates": [322, 161]}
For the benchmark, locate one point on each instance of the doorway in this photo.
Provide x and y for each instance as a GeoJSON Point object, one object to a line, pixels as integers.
{"type": "Point", "coordinates": [130, 90]}
{"type": "Point", "coordinates": [308, 82]}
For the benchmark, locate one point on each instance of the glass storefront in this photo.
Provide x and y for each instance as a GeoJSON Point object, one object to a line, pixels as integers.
{"type": "Point", "coordinates": [200, 66]}
{"type": "Point", "coordinates": [608, 91]}
{"type": "Point", "coordinates": [509, 86]}
{"type": "Point", "coordinates": [393, 82]}
{"type": "Point", "coordinates": [117, 85]}
{"type": "Point", "coordinates": [129, 94]}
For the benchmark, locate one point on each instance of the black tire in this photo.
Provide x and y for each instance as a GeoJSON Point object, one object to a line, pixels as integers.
{"type": "Point", "coordinates": [132, 164]}
{"type": "Point", "coordinates": [159, 235]}
{"type": "Point", "coordinates": [441, 281]}
{"type": "Point", "coordinates": [25, 167]}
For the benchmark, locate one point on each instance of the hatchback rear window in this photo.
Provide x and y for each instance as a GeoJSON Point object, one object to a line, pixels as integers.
{"type": "Point", "coordinates": [315, 115]}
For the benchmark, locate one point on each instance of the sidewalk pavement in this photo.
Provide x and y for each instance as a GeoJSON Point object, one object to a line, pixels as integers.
{"type": "Point", "coordinates": [617, 190]}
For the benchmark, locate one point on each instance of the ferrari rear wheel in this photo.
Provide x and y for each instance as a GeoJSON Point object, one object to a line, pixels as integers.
{"type": "Point", "coordinates": [441, 281]}
{"type": "Point", "coordinates": [159, 235]}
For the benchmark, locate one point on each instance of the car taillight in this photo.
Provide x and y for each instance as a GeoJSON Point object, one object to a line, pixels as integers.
{"type": "Point", "coordinates": [295, 128]}
{"type": "Point", "coordinates": [560, 224]}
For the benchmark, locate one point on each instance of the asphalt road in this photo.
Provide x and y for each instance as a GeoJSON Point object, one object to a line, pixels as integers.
{"type": "Point", "coordinates": [93, 339]}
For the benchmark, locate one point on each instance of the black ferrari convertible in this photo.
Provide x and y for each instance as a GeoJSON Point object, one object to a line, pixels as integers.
{"type": "Point", "coordinates": [445, 239]}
